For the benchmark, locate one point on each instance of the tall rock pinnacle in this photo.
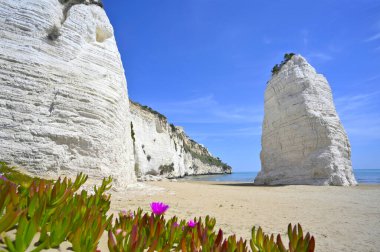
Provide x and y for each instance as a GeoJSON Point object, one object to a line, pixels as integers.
{"type": "Point", "coordinates": [303, 140]}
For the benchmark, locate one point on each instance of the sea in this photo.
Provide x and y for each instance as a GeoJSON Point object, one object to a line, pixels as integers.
{"type": "Point", "coordinates": [363, 176]}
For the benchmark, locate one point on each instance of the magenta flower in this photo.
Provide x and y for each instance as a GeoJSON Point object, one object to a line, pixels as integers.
{"type": "Point", "coordinates": [175, 224]}
{"type": "Point", "coordinates": [158, 207]}
{"type": "Point", "coordinates": [191, 223]}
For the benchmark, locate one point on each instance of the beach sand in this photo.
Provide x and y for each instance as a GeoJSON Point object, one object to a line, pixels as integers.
{"type": "Point", "coordinates": [340, 218]}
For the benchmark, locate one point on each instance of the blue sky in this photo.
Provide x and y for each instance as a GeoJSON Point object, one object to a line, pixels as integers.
{"type": "Point", "coordinates": [205, 63]}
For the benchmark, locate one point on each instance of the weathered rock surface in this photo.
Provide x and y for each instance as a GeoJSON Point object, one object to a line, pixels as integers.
{"type": "Point", "coordinates": [63, 100]}
{"type": "Point", "coordinates": [163, 149]}
{"type": "Point", "coordinates": [303, 140]}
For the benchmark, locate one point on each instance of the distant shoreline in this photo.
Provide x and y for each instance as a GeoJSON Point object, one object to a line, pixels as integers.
{"type": "Point", "coordinates": [363, 176]}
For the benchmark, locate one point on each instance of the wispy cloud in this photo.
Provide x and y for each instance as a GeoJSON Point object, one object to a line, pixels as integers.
{"type": "Point", "coordinates": [373, 38]}
{"type": "Point", "coordinates": [305, 37]}
{"type": "Point", "coordinates": [320, 56]}
{"type": "Point", "coordinates": [238, 132]}
{"type": "Point", "coordinates": [267, 40]}
{"type": "Point", "coordinates": [362, 126]}
{"type": "Point", "coordinates": [360, 114]}
{"type": "Point", "coordinates": [355, 102]}
{"type": "Point", "coordinates": [335, 48]}
{"type": "Point", "coordinates": [372, 78]}
{"type": "Point", "coordinates": [206, 109]}
{"type": "Point", "coordinates": [207, 119]}
{"type": "Point", "coordinates": [371, 132]}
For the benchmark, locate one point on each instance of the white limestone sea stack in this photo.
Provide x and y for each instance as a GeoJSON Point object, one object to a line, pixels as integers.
{"type": "Point", "coordinates": [303, 140]}
{"type": "Point", "coordinates": [63, 99]}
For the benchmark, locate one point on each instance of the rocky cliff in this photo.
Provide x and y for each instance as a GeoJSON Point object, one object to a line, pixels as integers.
{"type": "Point", "coordinates": [161, 148]}
{"type": "Point", "coordinates": [303, 140]}
{"type": "Point", "coordinates": [64, 105]}
{"type": "Point", "coordinates": [63, 100]}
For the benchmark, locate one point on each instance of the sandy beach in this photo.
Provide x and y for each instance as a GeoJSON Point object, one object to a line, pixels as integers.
{"type": "Point", "coordinates": [340, 218]}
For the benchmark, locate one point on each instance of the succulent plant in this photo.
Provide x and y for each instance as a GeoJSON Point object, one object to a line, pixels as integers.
{"type": "Point", "coordinates": [58, 212]}
{"type": "Point", "coordinates": [54, 210]}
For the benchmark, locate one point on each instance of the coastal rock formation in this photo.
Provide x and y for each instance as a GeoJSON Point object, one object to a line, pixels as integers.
{"type": "Point", "coordinates": [303, 140]}
{"type": "Point", "coordinates": [63, 99]}
{"type": "Point", "coordinates": [64, 105]}
{"type": "Point", "coordinates": [163, 149]}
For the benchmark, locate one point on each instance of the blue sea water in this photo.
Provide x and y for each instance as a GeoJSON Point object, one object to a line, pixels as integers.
{"type": "Point", "coordinates": [234, 177]}
{"type": "Point", "coordinates": [363, 176]}
{"type": "Point", "coordinates": [367, 176]}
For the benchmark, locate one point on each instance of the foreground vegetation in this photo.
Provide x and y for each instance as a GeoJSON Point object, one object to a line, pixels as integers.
{"type": "Point", "coordinates": [51, 212]}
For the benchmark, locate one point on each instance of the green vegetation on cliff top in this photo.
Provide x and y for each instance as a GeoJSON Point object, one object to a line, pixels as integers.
{"type": "Point", "coordinates": [150, 110]}
{"type": "Point", "coordinates": [277, 68]}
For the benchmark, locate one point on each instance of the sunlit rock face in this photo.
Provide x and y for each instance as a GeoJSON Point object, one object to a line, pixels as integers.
{"type": "Point", "coordinates": [63, 99]}
{"type": "Point", "coordinates": [163, 149]}
{"type": "Point", "coordinates": [303, 140]}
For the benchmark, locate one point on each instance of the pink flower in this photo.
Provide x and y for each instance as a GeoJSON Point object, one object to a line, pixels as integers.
{"type": "Point", "coordinates": [191, 223]}
{"type": "Point", "coordinates": [175, 224]}
{"type": "Point", "coordinates": [118, 231]}
{"type": "Point", "coordinates": [158, 207]}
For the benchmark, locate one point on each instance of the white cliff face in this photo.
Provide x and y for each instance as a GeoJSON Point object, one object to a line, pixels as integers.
{"type": "Point", "coordinates": [303, 140]}
{"type": "Point", "coordinates": [63, 100]}
{"type": "Point", "coordinates": [164, 149]}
